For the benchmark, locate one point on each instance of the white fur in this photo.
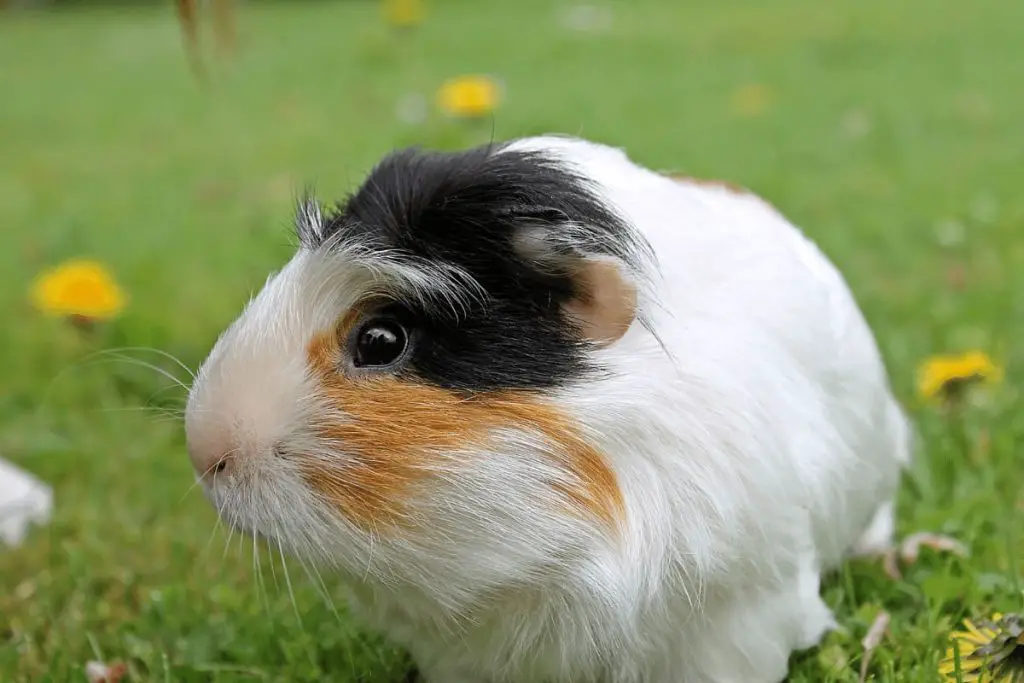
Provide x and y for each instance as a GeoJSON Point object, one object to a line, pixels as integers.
{"type": "Point", "coordinates": [753, 435]}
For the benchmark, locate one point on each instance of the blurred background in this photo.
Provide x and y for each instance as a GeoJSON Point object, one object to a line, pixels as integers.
{"type": "Point", "coordinates": [147, 189]}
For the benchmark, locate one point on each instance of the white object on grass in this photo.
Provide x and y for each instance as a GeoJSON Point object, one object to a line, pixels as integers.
{"type": "Point", "coordinates": [24, 500]}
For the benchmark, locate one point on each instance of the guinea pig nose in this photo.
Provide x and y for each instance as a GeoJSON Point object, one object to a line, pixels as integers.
{"type": "Point", "coordinates": [211, 463]}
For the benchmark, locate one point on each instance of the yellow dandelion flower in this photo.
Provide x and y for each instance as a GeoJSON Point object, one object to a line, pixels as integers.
{"type": "Point", "coordinates": [403, 13]}
{"type": "Point", "coordinates": [468, 96]}
{"type": "Point", "coordinates": [80, 288]}
{"type": "Point", "coordinates": [991, 651]}
{"type": "Point", "coordinates": [946, 375]}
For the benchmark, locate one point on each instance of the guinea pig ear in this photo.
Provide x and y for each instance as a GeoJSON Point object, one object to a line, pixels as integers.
{"type": "Point", "coordinates": [604, 301]}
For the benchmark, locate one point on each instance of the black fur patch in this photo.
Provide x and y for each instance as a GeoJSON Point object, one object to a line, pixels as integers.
{"type": "Point", "coordinates": [464, 208]}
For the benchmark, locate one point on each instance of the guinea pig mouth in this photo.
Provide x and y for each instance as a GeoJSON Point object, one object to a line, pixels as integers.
{"type": "Point", "coordinates": [226, 503]}
{"type": "Point", "coordinates": [253, 503]}
{"type": "Point", "coordinates": [238, 521]}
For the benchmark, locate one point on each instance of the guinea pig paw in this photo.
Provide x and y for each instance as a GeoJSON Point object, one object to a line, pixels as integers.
{"type": "Point", "coordinates": [909, 550]}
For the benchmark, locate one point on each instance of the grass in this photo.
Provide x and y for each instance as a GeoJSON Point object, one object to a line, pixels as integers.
{"type": "Point", "coordinates": [892, 134]}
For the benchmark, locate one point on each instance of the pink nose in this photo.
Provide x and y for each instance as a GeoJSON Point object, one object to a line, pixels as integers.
{"type": "Point", "coordinates": [210, 463]}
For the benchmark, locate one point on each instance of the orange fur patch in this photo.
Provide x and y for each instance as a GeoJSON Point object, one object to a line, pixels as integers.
{"type": "Point", "coordinates": [399, 433]}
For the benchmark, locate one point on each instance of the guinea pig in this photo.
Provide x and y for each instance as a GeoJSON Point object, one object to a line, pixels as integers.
{"type": "Point", "coordinates": [555, 416]}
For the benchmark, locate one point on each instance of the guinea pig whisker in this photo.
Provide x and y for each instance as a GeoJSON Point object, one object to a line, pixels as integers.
{"type": "Point", "coordinates": [158, 392]}
{"type": "Point", "coordinates": [169, 356]}
{"type": "Point", "coordinates": [156, 409]}
{"type": "Point", "coordinates": [231, 528]}
{"type": "Point", "coordinates": [369, 555]}
{"type": "Point", "coordinates": [190, 489]}
{"type": "Point", "coordinates": [94, 359]}
{"type": "Point", "coordinates": [241, 538]}
{"type": "Point", "coordinates": [287, 576]}
{"type": "Point", "coordinates": [273, 569]}
{"type": "Point", "coordinates": [198, 480]}
{"type": "Point", "coordinates": [161, 411]}
{"type": "Point", "coordinates": [155, 368]}
{"type": "Point", "coordinates": [219, 503]}
{"type": "Point", "coordinates": [213, 533]}
{"type": "Point", "coordinates": [256, 572]}
{"type": "Point", "coordinates": [313, 574]}
{"type": "Point", "coordinates": [116, 354]}
{"type": "Point", "coordinates": [256, 555]}
{"type": "Point", "coordinates": [166, 419]}
{"type": "Point", "coordinates": [257, 566]}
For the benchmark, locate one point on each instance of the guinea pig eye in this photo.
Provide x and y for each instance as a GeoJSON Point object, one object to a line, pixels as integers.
{"type": "Point", "coordinates": [379, 342]}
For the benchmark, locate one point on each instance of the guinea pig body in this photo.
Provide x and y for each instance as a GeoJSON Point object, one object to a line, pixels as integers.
{"type": "Point", "coordinates": [557, 417]}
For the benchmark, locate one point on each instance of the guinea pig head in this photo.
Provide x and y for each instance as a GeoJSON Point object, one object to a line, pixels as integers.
{"type": "Point", "coordinates": [389, 401]}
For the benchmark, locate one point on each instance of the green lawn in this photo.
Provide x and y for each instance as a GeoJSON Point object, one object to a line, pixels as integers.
{"type": "Point", "coordinates": [893, 133]}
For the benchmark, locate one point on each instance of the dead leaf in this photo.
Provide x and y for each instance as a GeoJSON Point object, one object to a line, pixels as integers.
{"type": "Point", "coordinates": [910, 549]}
{"type": "Point", "coordinates": [872, 640]}
{"type": "Point", "coordinates": [98, 672]}
{"type": "Point", "coordinates": [891, 564]}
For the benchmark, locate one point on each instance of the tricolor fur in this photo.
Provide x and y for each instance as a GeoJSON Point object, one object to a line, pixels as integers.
{"type": "Point", "coordinates": [633, 418]}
